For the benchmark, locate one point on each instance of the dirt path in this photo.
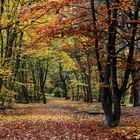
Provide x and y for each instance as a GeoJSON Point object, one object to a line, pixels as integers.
{"type": "Point", "coordinates": [58, 120]}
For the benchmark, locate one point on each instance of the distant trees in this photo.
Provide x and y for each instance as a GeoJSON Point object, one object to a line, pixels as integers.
{"type": "Point", "coordinates": [13, 25]}
{"type": "Point", "coordinates": [9, 36]}
{"type": "Point", "coordinates": [83, 56]}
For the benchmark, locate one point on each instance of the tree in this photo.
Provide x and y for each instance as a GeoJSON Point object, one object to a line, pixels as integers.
{"type": "Point", "coordinates": [109, 78]}
{"type": "Point", "coordinates": [135, 89]}
{"type": "Point", "coordinates": [13, 25]}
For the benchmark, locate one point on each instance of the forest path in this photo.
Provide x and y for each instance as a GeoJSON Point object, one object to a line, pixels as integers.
{"type": "Point", "coordinates": [59, 120]}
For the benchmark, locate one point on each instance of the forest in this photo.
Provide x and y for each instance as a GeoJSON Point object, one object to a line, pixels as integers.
{"type": "Point", "coordinates": [69, 69]}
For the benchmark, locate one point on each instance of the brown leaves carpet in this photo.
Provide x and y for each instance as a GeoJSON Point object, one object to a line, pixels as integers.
{"type": "Point", "coordinates": [65, 120]}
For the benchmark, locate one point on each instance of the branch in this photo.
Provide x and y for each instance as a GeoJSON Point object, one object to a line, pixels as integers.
{"type": "Point", "coordinates": [124, 47]}
{"type": "Point", "coordinates": [132, 83]}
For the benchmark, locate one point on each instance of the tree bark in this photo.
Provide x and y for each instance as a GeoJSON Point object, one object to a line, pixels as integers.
{"type": "Point", "coordinates": [106, 98]}
{"type": "Point", "coordinates": [117, 108]}
{"type": "Point", "coordinates": [63, 79]}
{"type": "Point", "coordinates": [42, 78]}
{"type": "Point", "coordinates": [135, 88]}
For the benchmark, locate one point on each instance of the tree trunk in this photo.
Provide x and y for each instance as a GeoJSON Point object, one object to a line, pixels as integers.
{"type": "Point", "coordinates": [23, 80]}
{"type": "Point", "coordinates": [117, 108]}
{"type": "Point", "coordinates": [35, 85]}
{"type": "Point", "coordinates": [72, 88]}
{"type": "Point", "coordinates": [42, 80]}
{"type": "Point", "coordinates": [78, 88]}
{"type": "Point", "coordinates": [1, 82]}
{"type": "Point", "coordinates": [135, 89]}
{"type": "Point", "coordinates": [99, 97]}
{"type": "Point", "coordinates": [43, 95]}
{"type": "Point", "coordinates": [89, 94]}
{"type": "Point", "coordinates": [65, 90]}
{"type": "Point", "coordinates": [63, 79]}
{"type": "Point", "coordinates": [106, 98]}
{"type": "Point", "coordinates": [25, 94]}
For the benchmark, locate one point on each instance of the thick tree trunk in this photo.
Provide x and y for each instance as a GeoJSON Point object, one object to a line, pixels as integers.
{"type": "Point", "coordinates": [117, 108]}
{"type": "Point", "coordinates": [136, 97]}
{"type": "Point", "coordinates": [106, 98]}
{"type": "Point", "coordinates": [112, 118]}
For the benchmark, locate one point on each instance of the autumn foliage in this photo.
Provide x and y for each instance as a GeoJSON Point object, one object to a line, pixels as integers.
{"type": "Point", "coordinates": [81, 50]}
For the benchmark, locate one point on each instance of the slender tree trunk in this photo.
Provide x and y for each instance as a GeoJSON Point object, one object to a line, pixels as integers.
{"type": "Point", "coordinates": [23, 80]}
{"type": "Point", "coordinates": [2, 46]}
{"type": "Point", "coordinates": [43, 95]}
{"type": "Point", "coordinates": [63, 79]}
{"type": "Point", "coordinates": [42, 79]}
{"type": "Point", "coordinates": [72, 88]}
{"type": "Point", "coordinates": [65, 91]}
{"type": "Point", "coordinates": [89, 94]}
{"type": "Point", "coordinates": [99, 98]}
{"type": "Point", "coordinates": [35, 86]}
{"type": "Point", "coordinates": [78, 88]}
{"type": "Point", "coordinates": [1, 82]}
{"type": "Point", "coordinates": [84, 87]}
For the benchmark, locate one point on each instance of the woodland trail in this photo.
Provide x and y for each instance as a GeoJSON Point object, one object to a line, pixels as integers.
{"type": "Point", "coordinates": [64, 120]}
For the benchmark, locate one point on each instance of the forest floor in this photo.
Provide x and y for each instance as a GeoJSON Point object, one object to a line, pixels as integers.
{"type": "Point", "coordinates": [65, 120]}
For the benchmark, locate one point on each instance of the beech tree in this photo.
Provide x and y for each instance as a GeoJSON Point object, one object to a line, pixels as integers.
{"type": "Point", "coordinates": [108, 78]}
